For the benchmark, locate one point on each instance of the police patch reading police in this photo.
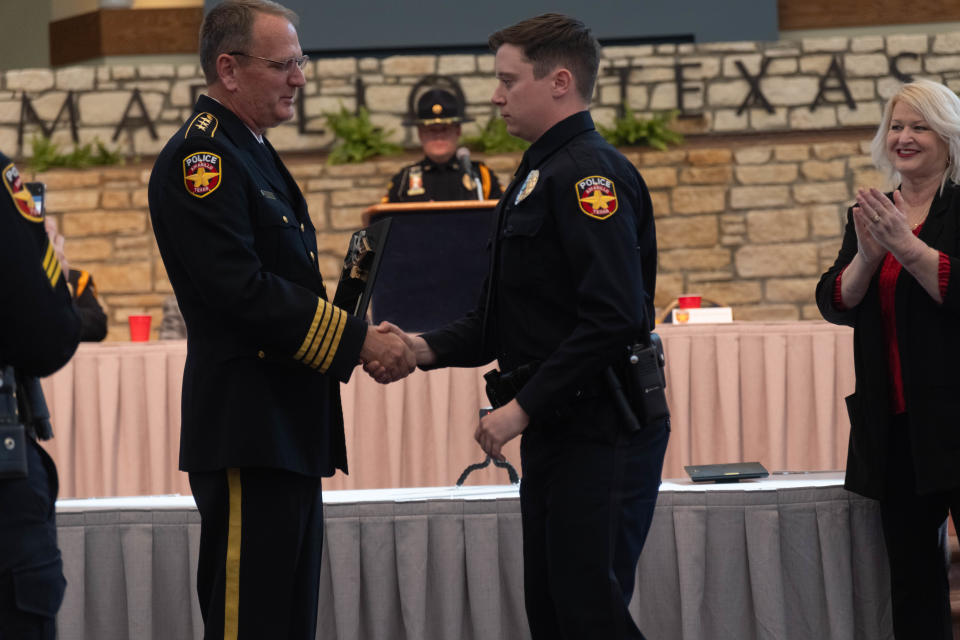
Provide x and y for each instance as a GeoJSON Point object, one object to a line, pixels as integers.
{"type": "Point", "coordinates": [21, 197]}
{"type": "Point", "coordinates": [201, 173]}
{"type": "Point", "coordinates": [597, 197]}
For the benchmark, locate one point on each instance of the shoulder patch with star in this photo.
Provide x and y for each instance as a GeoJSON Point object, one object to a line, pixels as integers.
{"type": "Point", "coordinates": [202, 173]}
{"type": "Point", "coordinates": [22, 199]}
{"type": "Point", "coordinates": [597, 197]}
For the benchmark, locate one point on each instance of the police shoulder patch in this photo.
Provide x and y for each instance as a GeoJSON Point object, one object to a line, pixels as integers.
{"type": "Point", "coordinates": [203, 124]}
{"type": "Point", "coordinates": [597, 197]}
{"type": "Point", "coordinates": [22, 200]}
{"type": "Point", "coordinates": [202, 173]}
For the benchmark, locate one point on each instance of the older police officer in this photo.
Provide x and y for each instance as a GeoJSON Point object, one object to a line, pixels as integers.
{"type": "Point", "coordinates": [266, 350]}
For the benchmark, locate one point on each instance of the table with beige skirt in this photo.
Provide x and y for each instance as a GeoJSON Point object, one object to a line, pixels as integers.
{"type": "Point", "coordinates": [769, 392]}
{"type": "Point", "coordinates": [787, 558]}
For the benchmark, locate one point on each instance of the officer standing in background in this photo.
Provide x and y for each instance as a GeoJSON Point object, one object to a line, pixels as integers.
{"type": "Point", "coordinates": [39, 332]}
{"type": "Point", "coordinates": [440, 175]}
{"type": "Point", "coordinates": [570, 287]}
{"type": "Point", "coordinates": [266, 351]}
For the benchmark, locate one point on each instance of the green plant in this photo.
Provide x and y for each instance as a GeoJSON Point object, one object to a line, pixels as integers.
{"type": "Point", "coordinates": [357, 138]}
{"type": "Point", "coordinates": [47, 154]}
{"type": "Point", "coordinates": [494, 138]}
{"type": "Point", "coordinates": [630, 130]}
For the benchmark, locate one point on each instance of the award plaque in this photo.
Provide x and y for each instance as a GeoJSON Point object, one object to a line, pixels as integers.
{"type": "Point", "coordinates": [360, 266]}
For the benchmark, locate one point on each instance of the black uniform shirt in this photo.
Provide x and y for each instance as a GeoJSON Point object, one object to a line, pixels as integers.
{"type": "Point", "coordinates": [39, 328]}
{"type": "Point", "coordinates": [427, 180]}
{"type": "Point", "coordinates": [573, 272]}
{"type": "Point", "coordinates": [265, 349]}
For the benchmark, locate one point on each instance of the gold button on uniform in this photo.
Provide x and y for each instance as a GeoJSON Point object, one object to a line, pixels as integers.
{"type": "Point", "coordinates": [261, 355]}
{"type": "Point", "coordinates": [284, 219]}
{"type": "Point", "coordinates": [313, 256]}
{"type": "Point", "coordinates": [301, 226]}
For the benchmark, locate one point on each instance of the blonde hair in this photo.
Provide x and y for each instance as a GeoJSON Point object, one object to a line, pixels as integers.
{"type": "Point", "coordinates": [936, 104]}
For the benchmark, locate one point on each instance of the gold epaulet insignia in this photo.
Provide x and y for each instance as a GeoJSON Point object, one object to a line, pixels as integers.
{"type": "Point", "coordinates": [203, 124]}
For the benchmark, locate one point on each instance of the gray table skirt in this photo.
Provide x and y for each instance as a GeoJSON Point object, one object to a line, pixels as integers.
{"type": "Point", "coordinates": [771, 561]}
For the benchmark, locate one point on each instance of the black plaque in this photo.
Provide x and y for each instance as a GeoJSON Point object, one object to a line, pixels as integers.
{"type": "Point", "coordinates": [360, 266]}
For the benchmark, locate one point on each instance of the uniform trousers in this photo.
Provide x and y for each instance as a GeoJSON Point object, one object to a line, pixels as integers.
{"type": "Point", "coordinates": [31, 571]}
{"type": "Point", "coordinates": [586, 510]}
{"type": "Point", "coordinates": [261, 537]}
{"type": "Point", "coordinates": [913, 529]}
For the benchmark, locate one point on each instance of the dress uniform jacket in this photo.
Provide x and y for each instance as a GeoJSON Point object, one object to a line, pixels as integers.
{"type": "Point", "coordinates": [929, 346]}
{"type": "Point", "coordinates": [426, 180]}
{"type": "Point", "coordinates": [39, 332]}
{"type": "Point", "coordinates": [573, 270]}
{"type": "Point", "coordinates": [266, 350]}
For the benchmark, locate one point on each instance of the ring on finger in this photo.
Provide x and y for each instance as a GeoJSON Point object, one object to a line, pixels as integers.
{"type": "Point", "coordinates": [876, 218]}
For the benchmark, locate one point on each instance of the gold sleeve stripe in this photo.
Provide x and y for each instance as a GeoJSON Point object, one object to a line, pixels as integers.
{"type": "Point", "coordinates": [313, 327]}
{"type": "Point", "coordinates": [336, 342]}
{"type": "Point", "coordinates": [328, 311]}
{"type": "Point", "coordinates": [51, 266]}
{"type": "Point", "coordinates": [323, 340]}
{"type": "Point", "coordinates": [231, 604]}
{"type": "Point", "coordinates": [48, 257]}
{"type": "Point", "coordinates": [485, 181]}
{"type": "Point", "coordinates": [328, 341]}
{"type": "Point", "coordinates": [55, 277]}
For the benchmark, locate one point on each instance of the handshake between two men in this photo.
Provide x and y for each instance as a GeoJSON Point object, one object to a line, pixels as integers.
{"type": "Point", "coordinates": [389, 354]}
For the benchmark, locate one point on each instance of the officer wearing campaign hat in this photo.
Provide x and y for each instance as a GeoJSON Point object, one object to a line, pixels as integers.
{"type": "Point", "coordinates": [441, 175]}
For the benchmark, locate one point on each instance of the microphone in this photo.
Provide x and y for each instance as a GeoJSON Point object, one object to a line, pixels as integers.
{"type": "Point", "coordinates": [466, 166]}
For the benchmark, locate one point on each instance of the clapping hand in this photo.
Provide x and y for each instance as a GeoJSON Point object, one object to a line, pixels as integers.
{"type": "Point", "coordinates": [881, 225]}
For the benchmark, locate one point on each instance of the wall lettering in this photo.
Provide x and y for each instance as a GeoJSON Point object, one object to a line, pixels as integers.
{"type": "Point", "coordinates": [28, 115]}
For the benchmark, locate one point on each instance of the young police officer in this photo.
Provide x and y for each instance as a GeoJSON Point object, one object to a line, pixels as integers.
{"type": "Point", "coordinates": [39, 331]}
{"type": "Point", "coordinates": [570, 285]}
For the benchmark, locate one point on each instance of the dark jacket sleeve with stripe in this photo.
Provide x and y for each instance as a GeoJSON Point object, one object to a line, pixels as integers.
{"type": "Point", "coordinates": [39, 328]}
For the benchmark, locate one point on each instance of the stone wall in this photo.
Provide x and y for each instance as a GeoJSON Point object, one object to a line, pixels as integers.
{"type": "Point", "coordinates": [746, 224]}
{"type": "Point", "coordinates": [809, 84]}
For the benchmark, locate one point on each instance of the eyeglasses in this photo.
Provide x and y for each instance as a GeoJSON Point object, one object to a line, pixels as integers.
{"type": "Point", "coordinates": [286, 66]}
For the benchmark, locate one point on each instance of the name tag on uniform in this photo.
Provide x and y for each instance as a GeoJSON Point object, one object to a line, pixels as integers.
{"type": "Point", "coordinates": [268, 194]}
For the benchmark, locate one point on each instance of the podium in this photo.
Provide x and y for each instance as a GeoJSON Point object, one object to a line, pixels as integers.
{"type": "Point", "coordinates": [434, 262]}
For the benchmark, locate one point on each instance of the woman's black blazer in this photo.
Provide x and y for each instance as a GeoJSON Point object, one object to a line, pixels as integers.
{"type": "Point", "coordinates": [928, 335]}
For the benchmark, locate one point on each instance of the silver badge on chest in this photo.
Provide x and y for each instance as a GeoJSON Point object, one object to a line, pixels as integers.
{"type": "Point", "coordinates": [528, 184]}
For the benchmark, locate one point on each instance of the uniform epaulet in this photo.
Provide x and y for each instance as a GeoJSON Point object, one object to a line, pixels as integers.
{"type": "Point", "coordinates": [203, 124]}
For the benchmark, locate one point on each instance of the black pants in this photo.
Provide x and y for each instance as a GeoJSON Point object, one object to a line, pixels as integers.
{"type": "Point", "coordinates": [31, 571]}
{"type": "Point", "coordinates": [261, 536]}
{"type": "Point", "coordinates": [586, 508]}
{"type": "Point", "coordinates": [912, 528]}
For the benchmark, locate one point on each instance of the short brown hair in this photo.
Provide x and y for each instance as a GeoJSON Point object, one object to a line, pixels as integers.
{"type": "Point", "coordinates": [229, 26]}
{"type": "Point", "coordinates": [553, 40]}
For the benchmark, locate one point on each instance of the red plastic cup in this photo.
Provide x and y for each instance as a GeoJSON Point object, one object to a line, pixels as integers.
{"type": "Point", "coordinates": [688, 301]}
{"type": "Point", "coordinates": [139, 328]}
